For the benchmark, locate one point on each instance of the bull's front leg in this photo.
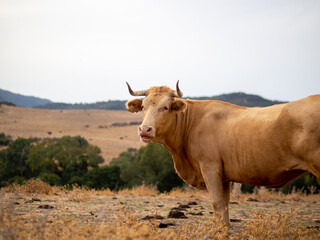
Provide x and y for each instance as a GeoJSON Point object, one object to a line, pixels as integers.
{"type": "Point", "coordinates": [219, 192]}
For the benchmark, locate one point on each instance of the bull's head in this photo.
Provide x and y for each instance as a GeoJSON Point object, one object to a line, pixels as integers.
{"type": "Point", "coordinates": [159, 107]}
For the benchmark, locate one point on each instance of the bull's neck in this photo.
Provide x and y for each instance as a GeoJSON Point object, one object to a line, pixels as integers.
{"type": "Point", "coordinates": [178, 141]}
{"type": "Point", "coordinates": [183, 124]}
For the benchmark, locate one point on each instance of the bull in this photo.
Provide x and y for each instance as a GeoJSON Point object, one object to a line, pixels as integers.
{"type": "Point", "coordinates": [214, 143]}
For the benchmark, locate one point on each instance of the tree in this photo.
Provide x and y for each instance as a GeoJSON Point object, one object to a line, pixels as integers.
{"type": "Point", "coordinates": [104, 177]}
{"type": "Point", "coordinates": [4, 140]}
{"type": "Point", "coordinates": [68, 158]}
{"type": "Point", "coordinates": [130, 173]}
{"type": "Point", "coordinates": [152, 165]}
{"type": "Point", "coordinates": [42, 158]}
{"type": "Point", "coordinates": [13, 160]}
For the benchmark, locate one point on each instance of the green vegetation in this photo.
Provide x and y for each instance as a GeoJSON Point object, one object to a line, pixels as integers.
{"type": "Point", "coordinates": [73, 161]}
{"type": "Point", "coordinates": [150, 165]}
{"type": "Point", "coordinates": [65, 161]}
{"type": "Point", "coordinates": [4, 140]}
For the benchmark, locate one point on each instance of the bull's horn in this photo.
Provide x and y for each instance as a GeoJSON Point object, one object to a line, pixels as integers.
{"type": "Point", "coordinates": [177, 93]}
{"type": "Point", "coordinates": [136, 93]}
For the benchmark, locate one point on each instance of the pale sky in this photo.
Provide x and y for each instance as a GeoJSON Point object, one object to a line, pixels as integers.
{"type": "Point", "coordinates": [84, 51]}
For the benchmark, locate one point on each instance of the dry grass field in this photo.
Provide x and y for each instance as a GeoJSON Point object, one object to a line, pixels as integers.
{"type": "Point", "coordinates": [94, 125]}
{"type": "Point", "coordinates": [38, 211]}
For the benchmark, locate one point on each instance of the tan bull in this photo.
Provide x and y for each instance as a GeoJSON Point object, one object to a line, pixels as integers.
{"type": "Point", "coordinates": [214, 143]}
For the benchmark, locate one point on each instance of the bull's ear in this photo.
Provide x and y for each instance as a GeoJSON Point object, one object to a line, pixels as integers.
{"type": "Point", "coordinates": [134, 105]}
{"type": "Point", "coordinates": [178, 105]}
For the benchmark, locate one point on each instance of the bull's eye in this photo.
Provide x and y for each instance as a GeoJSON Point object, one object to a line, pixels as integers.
{"type": "Point", "coordinates": [163, 109]}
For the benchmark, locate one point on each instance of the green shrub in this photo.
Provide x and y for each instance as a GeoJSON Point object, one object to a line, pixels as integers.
{"type": "Point", "coordinates": [4, 140]}
{"type": "Point", "coordinates": [51, 178]}
{"type": "Point", "coordinates": [151, 165]}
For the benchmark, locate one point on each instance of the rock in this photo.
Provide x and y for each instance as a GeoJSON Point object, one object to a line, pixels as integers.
{"type": "Point", "coordinates": [165, 225]}
{"type": "Point", "coordinates": [148, 217]}
{"type": "Point", "coordinates": [192, 203]}
{"type": "Point", "coordinates": [184, 206]}
{"type": "Point", "coordinates": [160, 205]}
{"type": "Point", "coordinates": [235, 220]}
{"type": "Point", "coordinates": [196, 214]}
{"type": "Point", "coordinates": [234, 203]}
{"type": "Point", "coordinates": [252, 200]}
{"type": "Point", "coordinates": [177, 214]}
{"type": "Point", "coordinates": [46, 206]}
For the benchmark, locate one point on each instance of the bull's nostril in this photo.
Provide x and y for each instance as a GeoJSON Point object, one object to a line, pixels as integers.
{"type": "Point", "coordinates": [149, 129]}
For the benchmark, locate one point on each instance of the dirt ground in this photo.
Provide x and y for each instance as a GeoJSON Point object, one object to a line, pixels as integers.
{"type": "Point", "coordinates": [112, 131]}
{"type": "Point", "coordinates": [168, 211]}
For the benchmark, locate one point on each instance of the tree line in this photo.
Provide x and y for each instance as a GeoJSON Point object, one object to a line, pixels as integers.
{"type": "Point", "coordinates": [72, 160]}
{"type": "Point", "coordinates": [64, 161]}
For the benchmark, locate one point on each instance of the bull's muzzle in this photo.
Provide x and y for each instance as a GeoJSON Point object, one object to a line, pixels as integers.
{"type": "Point", "coordinates": [146, 133]}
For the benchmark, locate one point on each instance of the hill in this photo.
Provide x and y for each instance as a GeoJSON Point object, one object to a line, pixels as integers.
{"type": "Point", "coordinates": [109, 105]}
{"type": "Point", "coordinates": [21, 100]}
{"type": "Point", "coordinates": [242, 99]}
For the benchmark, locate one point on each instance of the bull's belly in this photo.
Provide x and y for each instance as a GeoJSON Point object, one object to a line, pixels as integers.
{"type": "Point", "coordinates": [271, 180]}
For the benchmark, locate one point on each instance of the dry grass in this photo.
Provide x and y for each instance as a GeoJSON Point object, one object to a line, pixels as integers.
{"type": "Point", "coordinates": [89, 214]}
{"type": "Point", "coordinates": [94, 125]}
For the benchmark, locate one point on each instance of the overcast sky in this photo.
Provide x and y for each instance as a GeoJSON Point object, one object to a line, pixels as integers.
{"type": "Point", "coordinates": [84, 51]}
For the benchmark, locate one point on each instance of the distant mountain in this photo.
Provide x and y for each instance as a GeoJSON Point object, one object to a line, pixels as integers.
{"type": "Point", "coordinates": [241, 99]}
{"type": "Point", "coordinates": [110, 105]}
{"type": "Point", "coordinates": [21, 100]}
